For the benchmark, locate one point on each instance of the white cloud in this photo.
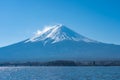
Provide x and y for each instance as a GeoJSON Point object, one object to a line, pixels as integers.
{"type": "Point", "coordinates": [39, 32]}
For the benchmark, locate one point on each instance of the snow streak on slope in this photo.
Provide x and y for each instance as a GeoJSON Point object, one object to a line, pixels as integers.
{"type": "Point", "coordinates": [57, 33]}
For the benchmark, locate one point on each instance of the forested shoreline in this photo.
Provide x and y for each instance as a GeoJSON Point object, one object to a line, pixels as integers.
{"type": "Point", "coordinates": [63, 63]}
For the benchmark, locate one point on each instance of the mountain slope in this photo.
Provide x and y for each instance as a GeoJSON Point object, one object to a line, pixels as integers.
{"type": "Point", "coordinates": [59, 43]}
{"type": "Point", "coordinates": [58, 33]}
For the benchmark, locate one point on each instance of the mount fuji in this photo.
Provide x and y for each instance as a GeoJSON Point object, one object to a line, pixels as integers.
{"type": "Point", "coordinates": [59, 43]}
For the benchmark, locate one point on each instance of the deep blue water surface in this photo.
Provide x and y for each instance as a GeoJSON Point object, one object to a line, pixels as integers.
{"type": "Point", "coordinates": [59, 73]}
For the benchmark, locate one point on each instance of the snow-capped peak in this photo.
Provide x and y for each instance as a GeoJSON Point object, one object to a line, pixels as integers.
{"type": "Point", "coordinates": [57, 33]}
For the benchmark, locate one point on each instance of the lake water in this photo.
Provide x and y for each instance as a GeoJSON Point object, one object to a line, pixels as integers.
{"type": "Point", "coordinates": [59, 73]}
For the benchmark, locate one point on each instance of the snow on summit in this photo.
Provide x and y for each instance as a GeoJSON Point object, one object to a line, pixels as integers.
{"type": "Point", "coordinates": [57, 33]}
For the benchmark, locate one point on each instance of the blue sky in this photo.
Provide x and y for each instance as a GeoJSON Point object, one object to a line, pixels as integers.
{"type": "Point", "coordinates": [96, 19]}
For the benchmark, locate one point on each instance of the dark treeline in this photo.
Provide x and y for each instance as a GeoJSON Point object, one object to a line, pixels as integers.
{"type": "Point", "coordinates": [63, 63]}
